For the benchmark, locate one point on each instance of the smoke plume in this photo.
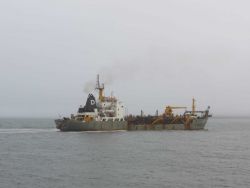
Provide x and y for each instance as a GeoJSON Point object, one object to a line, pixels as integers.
{"type": "Point", "coordinates": [89, 86]}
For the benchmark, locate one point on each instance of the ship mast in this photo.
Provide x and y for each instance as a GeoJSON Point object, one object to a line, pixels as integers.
{"type": "Point", "coordinates": [100, 87]}
{"type": "Point", "coordinates": [193, 106]}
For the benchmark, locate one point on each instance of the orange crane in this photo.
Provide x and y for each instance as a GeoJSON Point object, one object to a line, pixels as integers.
{"type": "Point", "coordinates": [169, 113]}
{"type": "Point", "coordinates": [169, 109]}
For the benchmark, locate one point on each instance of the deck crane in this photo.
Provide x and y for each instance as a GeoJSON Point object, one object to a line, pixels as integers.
{"type": "Point", "coordinates": [169, 109]}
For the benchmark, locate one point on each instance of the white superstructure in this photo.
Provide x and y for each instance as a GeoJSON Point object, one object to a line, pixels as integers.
{"type": "Point", "coordinates": [106, 109]}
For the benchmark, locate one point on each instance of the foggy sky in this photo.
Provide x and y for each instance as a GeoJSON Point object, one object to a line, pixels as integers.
{"type": "Point", "coordinates": [150, 53]}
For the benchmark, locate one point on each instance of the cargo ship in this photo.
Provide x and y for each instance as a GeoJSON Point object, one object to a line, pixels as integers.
{"type": "Point", "coordinates": [108, 114]}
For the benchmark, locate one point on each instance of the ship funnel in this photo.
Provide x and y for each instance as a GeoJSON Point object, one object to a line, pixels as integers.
{"type": "Point", "coordinates": [90, 105]}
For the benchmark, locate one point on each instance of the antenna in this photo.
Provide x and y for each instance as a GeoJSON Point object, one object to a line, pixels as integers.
{"type": "Point", "coordinates": [98, 85]}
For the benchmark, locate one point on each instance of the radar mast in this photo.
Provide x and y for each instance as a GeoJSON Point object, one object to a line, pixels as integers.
{"type": "Point", "coordinates": [100, 88]}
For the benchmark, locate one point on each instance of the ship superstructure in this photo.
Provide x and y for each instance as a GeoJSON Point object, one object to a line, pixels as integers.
{"type": "Point", "coordinates": [109, 107]}
{"type": "Point", "coordinates": [108, 111]}
{"type": "Point", "coordinates": [105, 109]}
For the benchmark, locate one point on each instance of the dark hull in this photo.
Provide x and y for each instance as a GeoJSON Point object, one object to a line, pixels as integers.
{"type": "Point", "coordinates": [75, 125]}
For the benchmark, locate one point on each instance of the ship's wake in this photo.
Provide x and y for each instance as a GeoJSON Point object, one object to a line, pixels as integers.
{"type": "Point", "coordinates": [16, 131]}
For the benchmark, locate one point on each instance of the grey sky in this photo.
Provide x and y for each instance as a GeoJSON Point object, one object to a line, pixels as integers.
{"type": "Point", "coordinates": [151, 53]}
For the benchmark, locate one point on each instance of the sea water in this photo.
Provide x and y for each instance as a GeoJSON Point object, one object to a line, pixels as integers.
{"type": "Point", "coordinates": [33, 154]}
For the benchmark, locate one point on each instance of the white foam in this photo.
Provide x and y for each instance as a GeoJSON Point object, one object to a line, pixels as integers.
{"type": "Point", "coordinates": [15, 131]}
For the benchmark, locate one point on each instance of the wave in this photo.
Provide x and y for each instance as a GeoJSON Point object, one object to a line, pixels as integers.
{"type": "Point", "coordinates": [16, 131]}
{"type": "Point", "coordinates": [26, 123]}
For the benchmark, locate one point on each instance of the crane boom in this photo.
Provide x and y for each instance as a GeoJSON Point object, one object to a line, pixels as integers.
{"type": "Point", "coordinates": [177, 107]}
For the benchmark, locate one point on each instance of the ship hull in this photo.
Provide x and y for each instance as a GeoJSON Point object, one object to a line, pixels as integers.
{"type": "Point", "coordinates": [75, 125]}
{"type": "Point", "coordinates": [197, 124]}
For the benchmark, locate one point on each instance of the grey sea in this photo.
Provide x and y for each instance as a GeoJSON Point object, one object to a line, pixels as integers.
{"type": "Point", "coordinates": [33, 154]}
